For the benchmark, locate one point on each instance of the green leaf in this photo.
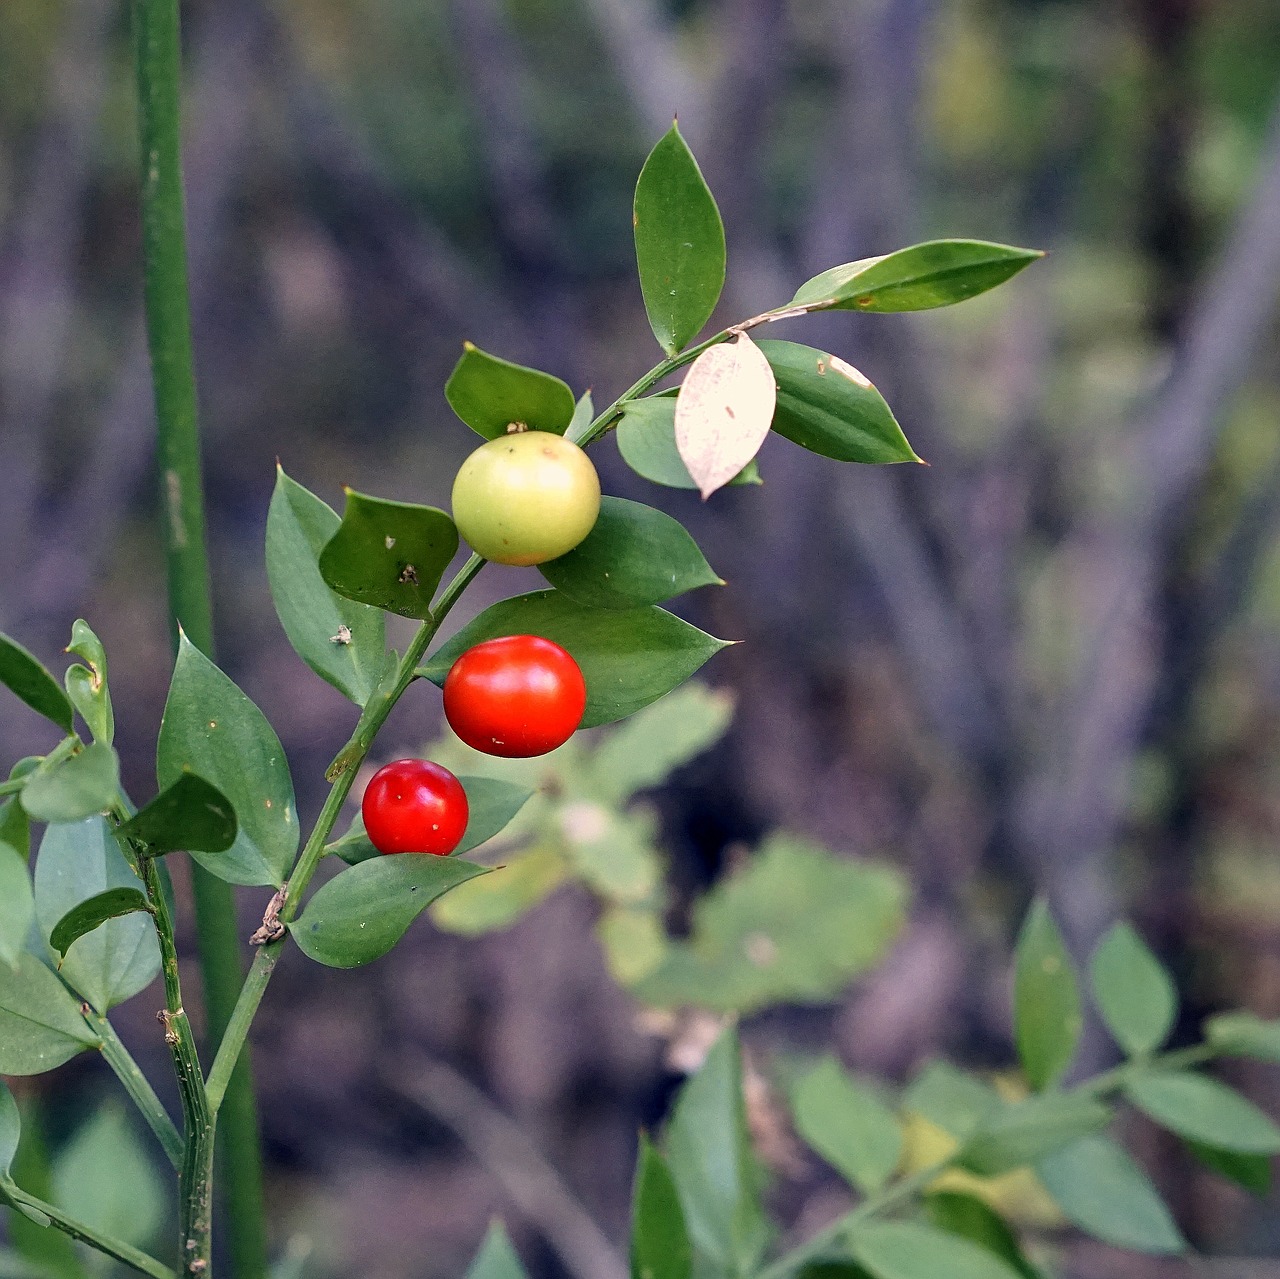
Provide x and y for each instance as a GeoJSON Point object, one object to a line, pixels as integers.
{"type": "Point", "coordinates": [391, 555]}
{"type": "Point", "coordinates": [497, 1258]}
{"type": "Point", "coordinates": [633, 556]}
{"type": "Point", "coordinates": [93, 912]}
{"type": "Point", "coordinates": [679, 243]}
{"type": "Point", "coordinates": [1046, 1000]}
{"type": "Point", "coordinates": [1019, 1135]}
{"type": "Point", "coordinates": [634, 941]}
{"type": "Point", "coordinates": [78, 861]}
{"type": "Point", "coordinates": [647, 442]}
{"type": "Point", "coordinates": [342, 641]}
{"type": "Point", "coordinates": [660, 1247]}
{"type": "Point", "coordinates": [10, 1130]}
{"type": "Point", "coordinates": [795, 925]}
{"type": "Point", "coordinates": [1252, 1172]}
{"type": "Point", "coordinates": [490, 394]}
{"type": "Point", "coordinates": [1203, 1110]}
{"type": "Point", "coordinates": [952, 1100]}
{"type": "Point", "coordinates": [612, 852]}
{"type": "Point", "coordinates": [363, 911]}
{"type": "Point", "coordinates": [87, 685]}
{"type": "Point", "coordinates": [1243, 1034]}
{"type": "Point", "coordinates": [629, 657]}
{"type": "Point", "coordinates": [584, 413]}
{"type": "Point", "coordinates": [1100, 1189]}
{"type": "Point", "coordinates": [17, 903]}
{"type": "Point", "coordinates": [970, 1218]}
{"type": "Point", "coordinates": [191, 815]}
{"type": "Point", "coordinates": [15, 829]}
{"type": "Point", "coordinates": [40, 1021]}
{"type": "Point", "coordinates": [907, 1250]}
{"type": "Point", "coordinates": [496, 901]}
{"type": "Point", "coordinates": [104, 1178]}
{"type": "Point", "coordinates": [23, 675]}
{"type": "Point", "coordinates": [1134, 993]}
{"type": "Point", "coordinates": [828, 407]}
{"type": "Point", "coordinates": [709, 1155]}
{"type": "Point", "coordinates": [936, 273]}
{"type": "Point", "coordinates": [212, 729]}
{"type": "Point", "coordinates": [491, 804]}
{"type": "Point", "coordinates": [653, 743]}
{"type": "Point", "coordinates": [848, 1125]}
{"type": "Point", "coordinates": [79, 786]}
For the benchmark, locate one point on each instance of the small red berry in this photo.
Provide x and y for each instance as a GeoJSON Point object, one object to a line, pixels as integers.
{"type": "Point", "coordinates": [515, 696]}
{"type": "Point", "coordinates": [414, 806]}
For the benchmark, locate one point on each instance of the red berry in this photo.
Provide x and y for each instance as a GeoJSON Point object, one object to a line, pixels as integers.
{"type": "Point", "coordinates": [414, 806]}
{"type": "Point", "coordinates": [516, 696]}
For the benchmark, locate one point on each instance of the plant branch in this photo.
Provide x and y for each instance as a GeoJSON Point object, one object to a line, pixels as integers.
{"type": "Point", "coordinates": [138, 1086]}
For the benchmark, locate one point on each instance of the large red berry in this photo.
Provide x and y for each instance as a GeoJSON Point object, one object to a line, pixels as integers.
{"type": "Point", "coordinates": [515, 696]}
{"type": "Point", "coordinates": [414, 806]}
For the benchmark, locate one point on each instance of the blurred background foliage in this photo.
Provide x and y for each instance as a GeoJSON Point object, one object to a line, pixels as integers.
{"type": "Point", "coordinates": [1048, 662]}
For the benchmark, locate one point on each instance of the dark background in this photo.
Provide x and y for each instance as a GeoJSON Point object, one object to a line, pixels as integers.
{"type": "Point", "coordinates": [1048, 662]}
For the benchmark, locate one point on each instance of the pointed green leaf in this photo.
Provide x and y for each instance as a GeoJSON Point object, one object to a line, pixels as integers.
{"type": "Point", "coordinates": [497, 1258]}
{"type": "Point", "coordinates": [15, 829]}
{"type": "Point", "coordinates": [10, 1130]}
{"type": "Point", "coordinates": [1243, 1034]}
{"type": "Point", "coordinates": [1046, 1000]}
{"type": "Point", "coordinates": [829, 407]}
{"type": "Point", "coordinates": [848, 1125]}
{"type": "Point", "coordinates": [647, 442]}
{"type": "Point", "coordinates": [584, 413]}
{"type": "Point", "coordinates": [908, 1250]}
{"type": "Point", "coordinates": [936, 273]}
{"type": "Point", "coordinates": [40, 1021]}
{"type": "Point", "coordinates": [952, 1100]}
{"type": "Point", "coordinates": [93, 912]}
{"type": "Point", "coordinates": [660, 1247]}
{"type": "Point", "coordinates": [190, 815]}
{"type": "Point", "coordinates": [1134, 993]}
{"type": "Point", "coordinates": [361, 913]}
{"type": "Point", "coordinates": [490, 394]}
{"type": "Point", "coordinates": [679, 243]}
{"type": "Point", "coordinates": [1100, 1189]}
{"type": "Point", "coordinates": [970, 1218]}
{"type": "Point", "coordinates": [87, 685]}
{"type": "Point", "coordinates": [709, 1155]}
{"type": "Point", "coordinates": [85, 783]}
{"type": "Point", "coordinates": [1203, 1110]}
{"type": "Point", "coordinates": [212, 729]}
{"type": "Point", "coordinates": [342, 641]}
{"type": "Point", "coordinates": [1016, 1136]}
{"type": "Point", "coordinates": [389, 554]}
{"type": "Point", "coordinates": [629, 657]}
{"type": "Point", "coordinates": [633, 556]}
{"type": "Point", "coordinates": [17, 904]}
{"type": "Point", "coordinates": [1251, 1171]}
{"type": "Point", "coordinates": [23, 675]}
{"type": "Point", "coordinates": [77, 861]}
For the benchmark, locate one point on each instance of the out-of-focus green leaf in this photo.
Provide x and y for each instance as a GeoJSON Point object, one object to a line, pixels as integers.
{"type": "Point", "coordinates": [952, 1100]}
{"type": "Point", "coordinates": [909, 1250]}
{"type": "Point", "coordinates": [490, 394]}
{"type": "Point", "coordinates": [660, 1247]}
{"type": "Point", "coordinates": [40, 1021]}
{"type": "Point", "coordinates": [709, 1156]}
{"type": "Point", "coordinates": [680, 247]}
{"type": "Point", "coordinates": [1134, 993]}
{"type": "Point", "coordinates": [1016, 1136]}
{"type": "Point", "coordinates": [1100, 1189]}
{"type": "Point", "coordinates": [363, 911]}
{"type": "Point", "coordinates": [1243, 1034]}
{"type": "Point", "coordinates": [1252, 1171]}
{"type": "Point", "coordinates": [17, 904]}
{"type": "Point", "coordinates": [390, 555]}
{"type": "Point", "coordinates": [1203, 1110]}
{"type": "Point", "coordinates": [848, 1125]}
{"type": "Point", "coordinates": [10, 1129]}
{"type": "Point", "coordinates": [797, 924]}
{"type": "Point", "coordinates": [497, 1258]}
{"type": "Point", "coordinates": [15, 829]}
{"type": "Point", "coordinates": [87, 685]}
{"type": "Point", "coordinates": [629, 657]}
{"type": "Point", "coordinates": [191, 815]}
{"type": "Point", "coordinates": [496, 901]}
{"type": "Point", "coordinates": [25, 676]}
{"type": "Point", "coordinates": [1046, 1000]}
{"type": "Point", "coordinates": [829, 407]}
{"type": "Point", "coordinates": [634, 942]}
{"type": "Point", "coordinates": [212, 729]}
{"type": "Point", "coordinates": [93, 912]}
{"type": "Point", "coordinates": [633, 556]}
{"type": "Point", "coordinates": [936, 273]}
{"type": "Point", "coordinates": [77, 861]}
{"type": "Point", "coordinates": [342, 641]}
{"type": "Point", "coordinates": [79, 786]}
{"type": "Point", "coordinates": [970, 1218]}
{"type": "Point", "coordinates": [647, 442]}
{"type": "Point", "coordinates": [611, 852]}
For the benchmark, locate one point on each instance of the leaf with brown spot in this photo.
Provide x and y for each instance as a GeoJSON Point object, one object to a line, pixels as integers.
{"type": "Point", "coordinates": [723, 412]}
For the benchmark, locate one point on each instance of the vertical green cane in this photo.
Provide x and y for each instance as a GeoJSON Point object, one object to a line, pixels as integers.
{"type": "Point", "coordinates": [159, 76]}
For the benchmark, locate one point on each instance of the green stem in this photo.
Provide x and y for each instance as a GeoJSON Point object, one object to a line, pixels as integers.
{"type": "Point", "coordinates": [138, 1087]}
{"type": "Point", "coordinates": [159, 76]}
{"type": "Point", "coordinates": [116, 1248]}
{"type": "Point", "coordinates": [351, 757]}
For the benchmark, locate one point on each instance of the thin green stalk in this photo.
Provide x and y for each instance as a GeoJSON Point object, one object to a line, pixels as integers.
{"type": "Point", "coordinates": [138, 1087]}
{"type": "Point", "coordinates": [159, 75]}
{"type": "Point", "coordinates": [116, 1248]}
